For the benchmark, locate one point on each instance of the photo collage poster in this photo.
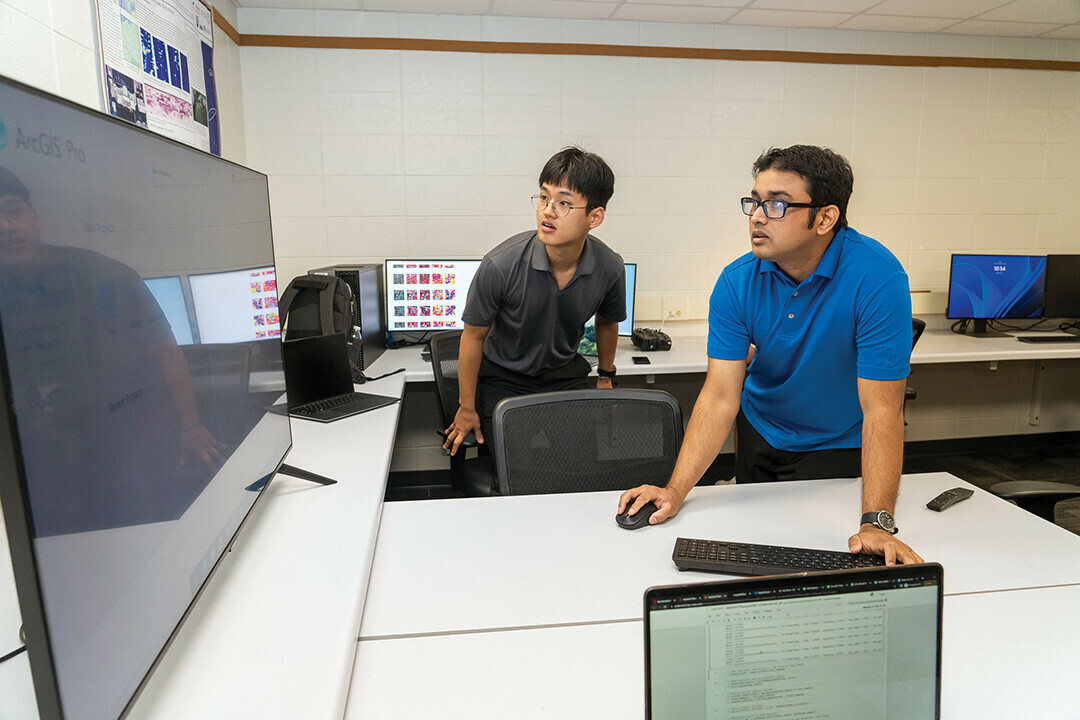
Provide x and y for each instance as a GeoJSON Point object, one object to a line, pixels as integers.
{"type": "Point", "coordinates": [159, 67]}
{"type": "Point", "coordinates": [428, 295]}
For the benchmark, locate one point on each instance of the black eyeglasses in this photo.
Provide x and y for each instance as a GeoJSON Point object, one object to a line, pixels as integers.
{"type": "Point", "coordinates": [774, 209]}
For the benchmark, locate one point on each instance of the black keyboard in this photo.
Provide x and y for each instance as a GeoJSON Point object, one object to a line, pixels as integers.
{"type": "Point", "coordinates": [319, 405]}
{"type": "Point", "coordinates": [746, 559]}
{"type": "Point", "coordinates": [1048, 338]}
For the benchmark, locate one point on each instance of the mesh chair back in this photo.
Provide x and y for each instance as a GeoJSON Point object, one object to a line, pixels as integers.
{"type": "Point", "coordinates": [444, 365]}
{"type": "Point", "coordinates": [586, 440]}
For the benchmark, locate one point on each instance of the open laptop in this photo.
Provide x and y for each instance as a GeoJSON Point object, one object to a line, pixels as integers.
{"type": "Point", "coordinates": [844, 644]}
{"type": "Point", "coordinates": [318, 380]}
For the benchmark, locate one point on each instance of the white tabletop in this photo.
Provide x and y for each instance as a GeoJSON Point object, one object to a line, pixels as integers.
{"type": "Point", "coordinates": [274, 633]}
{"type": "Point", "coordinates": [688, 354]}
{"type": "Point", "coordinates": [1008, 654]}
{"type": "Point", "coordinates": [510, 562]}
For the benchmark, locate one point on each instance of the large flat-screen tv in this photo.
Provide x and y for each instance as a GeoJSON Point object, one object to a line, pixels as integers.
{"type": "Point", "coordinates": [996, 287]}
{"type": "Point", "coordinates": [128, 460]}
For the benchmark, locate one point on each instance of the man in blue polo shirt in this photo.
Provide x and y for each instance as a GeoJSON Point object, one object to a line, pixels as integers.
{"type": "Point", "coordinates": [809, 348]}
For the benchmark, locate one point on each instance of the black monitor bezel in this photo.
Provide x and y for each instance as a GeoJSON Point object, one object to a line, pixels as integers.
{"type": "Point", "coordinates": [13, 498]}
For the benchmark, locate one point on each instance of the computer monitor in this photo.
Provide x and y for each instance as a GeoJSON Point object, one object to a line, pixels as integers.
{"type": "Point", "coordinates": [236, 306]}
{"type": "Point", "coordinates": [424, 296]}
{"type": "Point", "coordinates": [114, 519]}
{"type": "Point", "coordinates": [996, 287]}
{"type": "Point", "coordinates": [587, 346]}
{"type": "Point", "coordinates": [169, 293]}
{"type": "Point", "coordinates": [1062, 286]}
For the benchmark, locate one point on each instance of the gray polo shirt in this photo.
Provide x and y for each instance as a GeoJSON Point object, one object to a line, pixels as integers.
{"type": "Point", "coordinates": [535, 326]}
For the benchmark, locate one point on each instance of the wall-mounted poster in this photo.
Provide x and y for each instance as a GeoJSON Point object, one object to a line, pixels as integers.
{"type": "Point", "coordinates": [159, 67]}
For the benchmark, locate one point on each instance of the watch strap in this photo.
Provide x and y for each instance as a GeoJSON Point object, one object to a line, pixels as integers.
{"type": "Point", "coordinates": [607, 373]}
{"type": "Point", "coordinates": [871, 518]}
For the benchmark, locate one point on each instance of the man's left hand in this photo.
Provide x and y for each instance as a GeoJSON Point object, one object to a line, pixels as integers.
{"type": "Point", "coordinates": [873, 540]}
{"type": "Point", "coordinates": [604, 383]}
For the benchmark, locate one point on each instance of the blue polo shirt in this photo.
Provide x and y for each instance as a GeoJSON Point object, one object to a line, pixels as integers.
{"type": "Point", "coordinates": [850, 319]}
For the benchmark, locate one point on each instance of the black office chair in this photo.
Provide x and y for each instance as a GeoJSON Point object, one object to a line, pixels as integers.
{"type": "Point", "coordinates": [471, 476]}
{"type": "Point", "coordinates": [586, 440]}
{"type": "Point", "coordinates": [1036, 496]}
{"type": "Point", "coordinates": [917, 327]}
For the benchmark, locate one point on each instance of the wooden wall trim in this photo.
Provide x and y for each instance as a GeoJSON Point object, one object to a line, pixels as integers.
{"type": "Point", "coordinates": [227, 27]}
{"type": "Point", "coordinates": [517, 48]}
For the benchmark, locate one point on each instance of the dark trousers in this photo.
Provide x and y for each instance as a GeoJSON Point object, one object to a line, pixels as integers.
{"type": "Point", "coordinates": [758, 461]}
{"type": "Point", "coordinates": [496, 383]}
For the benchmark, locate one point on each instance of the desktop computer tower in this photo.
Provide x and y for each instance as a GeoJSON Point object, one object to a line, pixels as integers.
{"type": "Point", "coordinates": [366, 282]}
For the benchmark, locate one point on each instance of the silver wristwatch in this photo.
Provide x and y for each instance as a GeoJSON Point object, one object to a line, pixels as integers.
{"type": "Point", "coordinates": [881, 519]}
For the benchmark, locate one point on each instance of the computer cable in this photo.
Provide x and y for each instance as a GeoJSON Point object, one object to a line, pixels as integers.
{"type": "Point", "coordinates": [12, 654]}
{"type": "Point", "coordinates": [360, 378]}
{"type": "Point", "coordinates": [1001, 326]}
{"type": "Point", "coordinates": [408, 342]}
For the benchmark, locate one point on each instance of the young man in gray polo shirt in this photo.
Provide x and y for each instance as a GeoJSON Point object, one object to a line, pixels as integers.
{"type": "Point", "coordinates": [532, 295]}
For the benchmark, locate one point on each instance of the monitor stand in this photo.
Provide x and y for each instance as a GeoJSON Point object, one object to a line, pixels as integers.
{"type": "Point", "coordinates": [979, 329]}
{"type": "Point", "coordinates": [292, 471]}
{"type": "Point", "coordinates": [305, 475]}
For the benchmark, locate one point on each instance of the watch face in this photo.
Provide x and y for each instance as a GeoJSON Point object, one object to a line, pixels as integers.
{"type": "Point", "coordinates": [885, 520]}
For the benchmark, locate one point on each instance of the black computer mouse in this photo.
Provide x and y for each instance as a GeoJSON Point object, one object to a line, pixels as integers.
{"type": "Point", "coordinates": [638, 519]}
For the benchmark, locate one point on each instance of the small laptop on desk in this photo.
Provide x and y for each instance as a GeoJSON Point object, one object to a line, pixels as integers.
{"type": "Point", "coordinates": [318, 380]}
{"type": "Point", "coordinates": [842, 644]}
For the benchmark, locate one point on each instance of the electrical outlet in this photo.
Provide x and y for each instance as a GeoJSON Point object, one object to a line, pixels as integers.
{"type": "Point", "coordinates": [676, 308]}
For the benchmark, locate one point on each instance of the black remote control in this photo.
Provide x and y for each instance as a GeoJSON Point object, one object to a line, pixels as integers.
{"type": "Point", "coordinates": [949, 497]}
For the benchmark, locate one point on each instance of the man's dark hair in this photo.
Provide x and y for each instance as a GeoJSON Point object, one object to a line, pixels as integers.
{"type": "Point", "coordinates": [11, 185]}
{"type": "Point", "coordinates": [583, 172]}
{"type": "Point", "coordinates": [828, 175]}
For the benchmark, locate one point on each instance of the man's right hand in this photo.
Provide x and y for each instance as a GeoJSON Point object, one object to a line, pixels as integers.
{"type": "Point", "coordinates": [465, 421]}
{"type": "Point", "coordinates": [666, 500]}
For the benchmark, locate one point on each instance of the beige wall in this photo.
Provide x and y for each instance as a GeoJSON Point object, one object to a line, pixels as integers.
{"type": "Point", "coordinates": [376, 153]}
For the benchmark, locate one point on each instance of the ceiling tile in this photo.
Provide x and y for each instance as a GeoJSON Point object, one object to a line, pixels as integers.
{"type": "Point", "coordinates": [960, 9]}
{"type": "Point", "coordinates": [673, 13]}
{"type": "Point", "coordinates": [301, 4]}
{"type": "Point", "coordinates": [852, 6]}
{"type": "Point", "coordinates": [786, 18]}
{"type": "Point", "coordinates": [1009, 29]}
{"type": "Point", "coordinates": [1049, 11]}
{"type": "Point", "coordinates": [435, 7]}
{"type": "Point", "coordinates": [563, 9]}
{"type": "Point", "coordinates": [891, 23]}
{"type": "Point", "coordinates": [696, 3]}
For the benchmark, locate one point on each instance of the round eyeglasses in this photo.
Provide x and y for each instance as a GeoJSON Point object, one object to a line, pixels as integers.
{"type": "Point", "coordinates": [774, 209]}
{"type": "Point", "coordinates": [562, 208]}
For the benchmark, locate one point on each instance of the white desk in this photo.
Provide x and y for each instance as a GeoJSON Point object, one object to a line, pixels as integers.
{"type": "Point", "coordinates": [688, 354]}
{"type": "Point", "coordinates": [274, 633]}
{"type": "Point", "coordinates": [510, 562]}
{"type": "Point", "coordinates": [1006, 654]}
